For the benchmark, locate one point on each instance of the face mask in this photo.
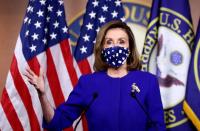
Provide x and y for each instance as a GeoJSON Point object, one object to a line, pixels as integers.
{"type": "Point", "coordinates": [115, 56]}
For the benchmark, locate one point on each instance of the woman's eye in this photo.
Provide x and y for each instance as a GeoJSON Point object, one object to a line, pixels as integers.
{"type": "Point", "coordinates": [121, 42]}
{"type": "Point", "coordinates": [108, 42]}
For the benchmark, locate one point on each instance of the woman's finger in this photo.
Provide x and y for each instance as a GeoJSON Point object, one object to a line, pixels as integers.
{"type": "Point", "coordinates": [33, 82]}
{"type": "Point", "coordinates": [28, 75]}
{"type": "Point", "coordinates": [30, 71]}
{"type": "Point", "coordinates": [32, 79]}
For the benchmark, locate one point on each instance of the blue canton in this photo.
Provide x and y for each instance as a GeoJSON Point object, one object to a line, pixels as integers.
{"type": "Point", "coordinates": [44, 26]}
{"type": "Point", "coordinates": [97, 14]}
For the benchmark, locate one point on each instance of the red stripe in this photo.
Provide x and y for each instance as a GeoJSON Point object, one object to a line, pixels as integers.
{"type": "Point", "coordinates": [84, 123]}
{"type": "Point", "coordinates": [34, 65]}
{"type": "Point", "coordinates": [85, 69]}
{"type": "Point", "coordinates": [53, 80]}
{"type": "Point", "coordinates": [69, 129]}
{"type": "Point", "coordinates": [10, 112]}
{"type": "Point", "coordinates": [24, 94]}
{"type": "Point", "coordinates": [84, 66]}
{"type": "Point", "coordinates": [68, 58]}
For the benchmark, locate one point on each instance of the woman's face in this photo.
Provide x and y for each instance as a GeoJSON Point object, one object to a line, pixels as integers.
{"type": "Point", "coordinates": [116, 37]}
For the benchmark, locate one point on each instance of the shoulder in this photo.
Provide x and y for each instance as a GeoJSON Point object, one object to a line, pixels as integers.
{"type": "Point", "coordinates": [91, 76]}
{"type": "Point", "coordinates": [89, 81]}
{"type": "Point", "coordinates": [143, 74]}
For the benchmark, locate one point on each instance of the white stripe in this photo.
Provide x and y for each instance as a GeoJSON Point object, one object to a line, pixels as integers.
{"type": "Point", "coordinates": [91, 61]}
{"type": "Point", "coordinates": [4, 123]}
{"type": "Point", "coordinates": [79, 127]}
{"type": "Point", "coordinates": [17, 103]}
{"type": "Point", "coordinates": [42, 59]}
{"type": "Point", "coordinates": [63, 75]}
{"type": "Point", "coordinates": [78, 72]}
{"type": "Point", "coordinates": [22, 64]}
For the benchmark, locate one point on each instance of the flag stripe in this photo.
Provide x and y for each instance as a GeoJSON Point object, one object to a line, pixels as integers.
{"type": "Point", "coordinates": [22, 65]}
{"type": "Point", "coordinates": [49, 93]}
{"type": "Point", "coordinates": [34, 65]}
{"type": "Point", "coordinates": [78, 72]}
{"type": "Point", "coordinates": [8, 108]}
{"type": "Point", "coordinates": [42, 59]}
{"type": "Point", "coordinates": [65, 48]}
{"type": "Point", "coordinates": [90, 60]}
{"type": "Point", "coordinates": [84, 123]}
{"type": "Point", "coordinates": [64, 75]}
{"type": "Point", "coordinates": [52, 77]}
{"type": "Point", "coordinates": [17, 102]}
{"type": "Point", "coordinates": [69, 129]}
{"type": "Point", "coordinates": [64, 79]}
{"type": "Point", "coordinates": [84, 66]}
{"type": "Point", "coordinates": [24, 94]}
{"type": "Point", "coordinates": [4, 124]}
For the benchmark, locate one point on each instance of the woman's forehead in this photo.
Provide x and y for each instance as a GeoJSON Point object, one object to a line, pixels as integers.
{"type": "Point", "coordinates": [116, 33]}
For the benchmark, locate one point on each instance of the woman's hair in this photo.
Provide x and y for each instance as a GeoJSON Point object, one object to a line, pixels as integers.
{"type": "Point", "coordinates": [133, 61]}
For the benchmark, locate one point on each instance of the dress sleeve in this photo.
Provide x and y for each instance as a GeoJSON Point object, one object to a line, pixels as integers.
{"type": "Point", "coordinates": [154, 106]}
{"type": "Point", "coordinates": [69, 111]}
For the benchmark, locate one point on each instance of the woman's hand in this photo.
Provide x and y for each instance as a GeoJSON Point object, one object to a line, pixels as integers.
{"type": "Point", "coordinates": [37, 81]}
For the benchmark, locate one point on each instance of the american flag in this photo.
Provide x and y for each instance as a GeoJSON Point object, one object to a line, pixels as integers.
{"type": "Point", "coordinates": [97, 14]}
{"type": "Point", "coordinates": [42, 43]}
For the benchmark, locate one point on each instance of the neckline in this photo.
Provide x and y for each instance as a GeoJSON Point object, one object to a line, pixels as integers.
{"type": "Point", "coordinates": [110, 77]}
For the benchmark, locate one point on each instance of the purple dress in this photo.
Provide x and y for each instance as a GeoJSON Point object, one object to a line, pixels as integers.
{"type": "Point", "coordinates": [113, 108]}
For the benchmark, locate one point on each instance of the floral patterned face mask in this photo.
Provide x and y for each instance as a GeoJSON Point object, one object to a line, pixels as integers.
{"type": "Point", "coordinates": [115, 56]}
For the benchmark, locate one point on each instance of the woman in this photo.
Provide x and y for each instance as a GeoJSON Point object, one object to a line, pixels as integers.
{"type": "Point", "coordinates": [116, 97]}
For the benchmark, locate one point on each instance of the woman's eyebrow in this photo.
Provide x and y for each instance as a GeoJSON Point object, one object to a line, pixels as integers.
{"type": "Point", "coordinates": [108, 38]}
{"type": "Point", "coordinates": [117, 38]}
